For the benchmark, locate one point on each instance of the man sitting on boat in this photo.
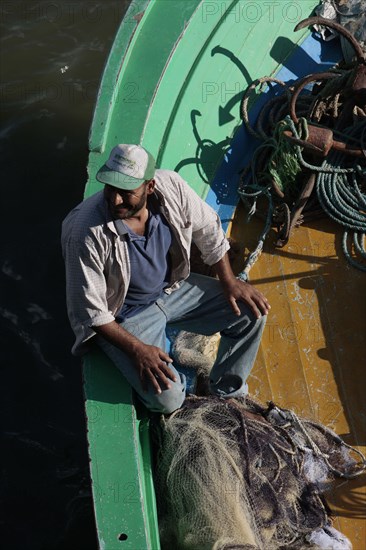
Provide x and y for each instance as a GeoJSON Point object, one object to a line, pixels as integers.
{"type": "Point", "coordinates": [127, 256]}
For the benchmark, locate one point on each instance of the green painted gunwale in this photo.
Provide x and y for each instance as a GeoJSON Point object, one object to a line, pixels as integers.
{"type": "Point", "coordinates": [169, 57]}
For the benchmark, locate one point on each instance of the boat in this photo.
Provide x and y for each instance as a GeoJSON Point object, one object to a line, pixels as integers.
{"type": "Point", "coordinates": [174, 81]}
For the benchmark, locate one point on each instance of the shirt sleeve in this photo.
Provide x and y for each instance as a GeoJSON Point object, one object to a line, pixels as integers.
{"type": "Point", "coordinates": [207, 231]}
{"type": "Point", "coordinates": [86, 290]}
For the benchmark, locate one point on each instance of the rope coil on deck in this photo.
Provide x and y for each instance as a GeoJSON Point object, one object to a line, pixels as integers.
{"type": "Point", "coordinates": [289, 149]}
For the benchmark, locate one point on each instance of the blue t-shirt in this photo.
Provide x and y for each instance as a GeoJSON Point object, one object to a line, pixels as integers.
{"type": "Point", "coordinates": [150, 263]}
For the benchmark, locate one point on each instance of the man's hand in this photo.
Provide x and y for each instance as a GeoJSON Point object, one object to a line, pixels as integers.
{"type": "Point", "coordinates": [235, 290]}
{"type": "Point", "coordinates": [151, 363]}
{"type": "Point", "coordinates": [239, 290]}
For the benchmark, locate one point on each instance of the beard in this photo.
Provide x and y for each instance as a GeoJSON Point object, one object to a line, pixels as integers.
{"type": "Point", "coordinates": [126, 210]}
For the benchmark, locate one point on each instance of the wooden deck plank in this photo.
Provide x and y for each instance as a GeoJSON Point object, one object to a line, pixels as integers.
{"type": "Point", "coordinates": [313, 348]}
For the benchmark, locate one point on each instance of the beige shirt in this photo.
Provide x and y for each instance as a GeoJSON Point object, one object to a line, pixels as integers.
{"type": "Point", "coordinates": [96, 256]}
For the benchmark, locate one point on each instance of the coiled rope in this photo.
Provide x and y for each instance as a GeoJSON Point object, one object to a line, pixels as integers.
{"type": "Point", "coordinates": [340, 195]}
{"type": "Point", "coordinates": [337, 187]}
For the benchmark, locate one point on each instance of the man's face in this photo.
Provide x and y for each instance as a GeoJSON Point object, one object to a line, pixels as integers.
{"type": "Point", "coordinates": [125, 204]}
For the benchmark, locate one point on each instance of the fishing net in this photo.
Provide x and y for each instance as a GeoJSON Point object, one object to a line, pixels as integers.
{"type": "Point", "coordinates": [233, 474]}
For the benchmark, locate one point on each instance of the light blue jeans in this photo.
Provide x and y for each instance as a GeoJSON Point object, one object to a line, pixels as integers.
{"type": "Point", "coordinates": [198, 306]}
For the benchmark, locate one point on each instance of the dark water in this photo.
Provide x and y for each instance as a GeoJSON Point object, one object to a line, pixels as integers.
{"type": "Point", "coordinates": [52, 57]}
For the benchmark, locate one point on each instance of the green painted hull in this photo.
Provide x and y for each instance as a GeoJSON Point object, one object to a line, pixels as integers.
{"type": "Point", "coordinates": [173, 82]}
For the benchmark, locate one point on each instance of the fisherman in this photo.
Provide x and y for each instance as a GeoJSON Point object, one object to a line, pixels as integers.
{"type": "Point", "coordinates": [127, 257]}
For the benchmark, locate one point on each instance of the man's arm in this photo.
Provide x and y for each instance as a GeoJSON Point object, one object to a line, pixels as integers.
{"type": "Point", "coordinates": [236, 289]}
{"type": "Point", "coordinates": [150, 361]}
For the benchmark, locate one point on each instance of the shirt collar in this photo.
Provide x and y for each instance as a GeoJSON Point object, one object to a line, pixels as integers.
{"type": "Point", "coordinates": [120, 228]}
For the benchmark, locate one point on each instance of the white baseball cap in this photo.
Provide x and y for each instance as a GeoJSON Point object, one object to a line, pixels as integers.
{"type": "Point", "coordinates": [128, 167]}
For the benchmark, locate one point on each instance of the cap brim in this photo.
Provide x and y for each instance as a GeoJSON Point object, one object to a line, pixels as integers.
{"type": "Point", "coordinates": [116, 179]}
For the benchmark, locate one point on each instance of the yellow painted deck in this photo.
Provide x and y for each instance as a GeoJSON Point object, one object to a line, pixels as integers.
{"type": "Point", "coordinates": [312, 356]}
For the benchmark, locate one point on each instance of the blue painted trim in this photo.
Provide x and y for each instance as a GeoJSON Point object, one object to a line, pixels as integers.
{"type": "Point", "coordinates": [311, 56]}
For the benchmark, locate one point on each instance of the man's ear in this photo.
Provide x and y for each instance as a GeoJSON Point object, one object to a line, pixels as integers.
{"type": "Point", "coordinates": [150, 186]}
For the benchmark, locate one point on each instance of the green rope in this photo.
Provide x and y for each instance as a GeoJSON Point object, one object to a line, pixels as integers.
{"type": "Point", "coordinates": [283, 164]}
{"type": "Point", "coordinates": [283, 168]}
{"type": "Point", "coordinates": [338, 191]}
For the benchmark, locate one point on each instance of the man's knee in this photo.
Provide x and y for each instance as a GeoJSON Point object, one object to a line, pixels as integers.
{"type": "Point", "coordinates": [262, 321]}
{"type": "Point", "coordinates": [253, 319]}
{"type": "Point", "coordinates": [247, 322]}
{"type": "Point", "coordinates": [167, 401]}
{"type": "Point", "coordinates": [229, 385]}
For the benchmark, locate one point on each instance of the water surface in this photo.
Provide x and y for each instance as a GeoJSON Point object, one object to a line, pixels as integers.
{"type": "Point", "coordinates": [52, 57]}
